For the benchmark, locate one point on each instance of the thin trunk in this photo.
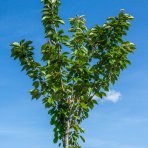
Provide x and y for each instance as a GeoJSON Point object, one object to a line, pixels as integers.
{"type": "Point", "coordinates": [66, 138]}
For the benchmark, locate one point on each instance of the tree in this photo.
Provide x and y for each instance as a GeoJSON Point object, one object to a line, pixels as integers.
{"type": "Point", "coordinates": [68, 81]}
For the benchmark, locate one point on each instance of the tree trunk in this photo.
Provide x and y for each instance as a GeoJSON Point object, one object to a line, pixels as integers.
{"type": "Point", "coordinates": [66, 138]}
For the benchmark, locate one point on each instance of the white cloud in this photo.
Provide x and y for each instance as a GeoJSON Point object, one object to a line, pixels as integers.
{"type": "Point", "coordinates": [113, 96]}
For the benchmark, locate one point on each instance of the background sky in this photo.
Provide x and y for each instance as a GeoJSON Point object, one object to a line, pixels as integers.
{"type": "Point", "coordinates": [121, 121]}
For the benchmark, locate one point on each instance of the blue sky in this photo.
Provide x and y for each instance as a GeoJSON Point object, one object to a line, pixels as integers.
{"type": "Point", "coordinates": [112, 124]}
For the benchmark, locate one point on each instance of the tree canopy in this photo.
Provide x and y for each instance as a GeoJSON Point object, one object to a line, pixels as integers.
{"type": "Point", "coordinates": [68, 81]}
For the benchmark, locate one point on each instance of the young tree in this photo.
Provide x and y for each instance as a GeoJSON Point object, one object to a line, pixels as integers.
{"type": "Point", "coordinates": [68, 81]}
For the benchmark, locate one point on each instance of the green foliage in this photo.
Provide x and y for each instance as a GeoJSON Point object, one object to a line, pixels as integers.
{"type": "Point", "coordinates": [67, 82]}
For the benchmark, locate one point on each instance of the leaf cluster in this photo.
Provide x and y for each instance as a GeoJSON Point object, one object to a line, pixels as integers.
{"type": "Point", "coordinates": [68, 81]}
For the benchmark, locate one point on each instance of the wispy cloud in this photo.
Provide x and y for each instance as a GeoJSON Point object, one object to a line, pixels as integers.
{"type": "Point", "coordinates": [135, 120]}
{"type": "Point", "coordinates": [113, 96]}
{"type": "Point", "coordinates": [95, 143]}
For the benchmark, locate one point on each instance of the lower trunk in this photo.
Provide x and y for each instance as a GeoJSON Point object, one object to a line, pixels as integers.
{"type": "Point", "coordinates": [66, 138]}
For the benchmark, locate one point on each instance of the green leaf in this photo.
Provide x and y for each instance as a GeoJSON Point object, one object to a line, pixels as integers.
{"type": "Point", "coordinates": [61, 21]}
{"type": "Point", "coordinates": [59, 144]}
{"type": "Point", "coordinates": [50, 100]}
{"type": "Point", "coordinates": [103, 94]}
{"type": "Point", "coordinates": [36, 84]}
{"type": "Point", "coordinates": [65, 53]}
{"type": "Point", "coordinates": [53, 120]}
{"type": "Point", "coordinates": [53, 1]}
{"type": "Point", "coordinates": [83, 105]}
{"type": "Point", "coordinates": [82, 139]}
{"type": "Point", "coordinates": [15, 44]}
{"type": "Point", "coordinates": [95, 101]}
{"type": "Point", "coordinates": [47, 76]}
{"type": "Point", "coordinates": [99, 95]}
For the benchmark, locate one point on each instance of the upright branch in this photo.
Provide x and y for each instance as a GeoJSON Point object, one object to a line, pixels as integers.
{"type": "Point", "coordinates": [68, 81]}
